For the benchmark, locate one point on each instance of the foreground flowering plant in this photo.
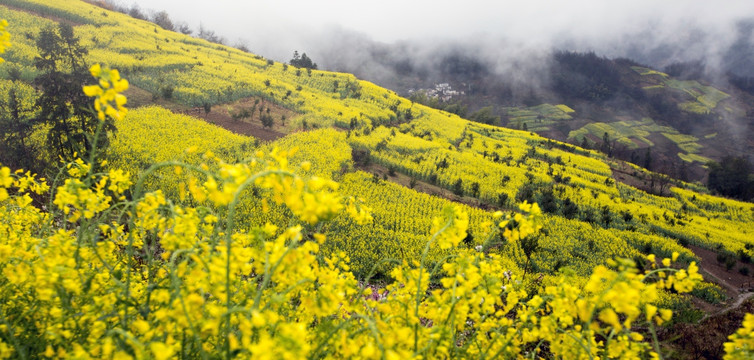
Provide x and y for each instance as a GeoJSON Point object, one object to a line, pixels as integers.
{"type": "Point", "coordinates": [150, 277]}
{"type": "Point", "coordinates": [112, 271]}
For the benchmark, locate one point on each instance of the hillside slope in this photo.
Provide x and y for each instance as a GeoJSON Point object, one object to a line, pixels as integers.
{"type": "Point", "coordinates": [339, 127]}
{"type": "Point", "coordinates": [495, 166]}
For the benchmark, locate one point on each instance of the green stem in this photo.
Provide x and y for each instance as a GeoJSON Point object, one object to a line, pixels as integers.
{"type": "Point", "coordinates": [419, 280]}
{"type": "Point", "coordinates": [655, 341]}
{"type": "Point", "coordinates": [228, 245]}
{"type": "Point", "coordinates": [16, 344]}
{"type": "Point", "coordinates": [176, 290]}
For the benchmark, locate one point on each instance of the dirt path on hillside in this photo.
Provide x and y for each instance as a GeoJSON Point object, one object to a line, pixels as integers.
{"type": "Point", "coordinates": [738, 287]}
{"type": "Point", "coordinates": [729, 289]}
{"type": "Point", "coordinates": [225, 121]}
{"type": "Point", "coordinates": [739, 301]}
{"type": "Point", "coordinates": [732, 279]}
{"type": "Point", "coordinates": [704, 339]}
{"type": "Point", "coordinates": [221, 114]}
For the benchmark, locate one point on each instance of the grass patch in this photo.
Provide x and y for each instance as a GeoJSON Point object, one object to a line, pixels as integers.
{"type": "Point", "coordinates": [633, 134]}
{"type": "Point", "coordinates": [645, 71]}
{"type": "Point", "coordinates": [679, 138]}
{"type": "Point", "coordinates": [694, 107]}
{"type": "Point", "coordinates": [694, 158]}
{"type": "Point", "coordinates": [565, 108]}
{"type": "Point", "coordinates": [538, 118]}
{"type": "Point", "coordinates": [688, 144]}
{"type": "Point", "coordinates": [702, 99]}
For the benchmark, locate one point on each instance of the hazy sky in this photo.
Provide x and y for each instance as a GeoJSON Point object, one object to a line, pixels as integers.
{"type": "Point", "coordinates": [275, 28]}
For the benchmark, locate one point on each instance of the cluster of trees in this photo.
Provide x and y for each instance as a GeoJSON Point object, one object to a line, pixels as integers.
{"type": "Point", "coordinates": [584, 76]}
{"type": "Point", "coordinates": [732, 176]}
{"type": "Point", "coordinates": [745, 83]}
{"type": "Point", "coordinates": [210, 36]}
{"type": "Point", "coordinates": [302, 61]}
{"type": "Point", "coordinates": [550, 199]}
{"type": "Point", "coordinates": [264, 114]}
{"type": "Point", "coordinates": [58, 105]}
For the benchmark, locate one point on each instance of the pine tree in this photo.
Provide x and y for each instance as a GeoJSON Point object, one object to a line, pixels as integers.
{"type": "Point", "coordinates": [62, 104]}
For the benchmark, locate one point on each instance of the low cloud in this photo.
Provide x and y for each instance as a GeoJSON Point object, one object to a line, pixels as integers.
{"type": "Point", "coordinates": [511, 37]}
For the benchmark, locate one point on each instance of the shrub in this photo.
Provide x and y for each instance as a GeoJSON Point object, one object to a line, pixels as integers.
{"type": "Point", "coordinates": [267, 120]}
{"type": "Point", "coordinates": [730, 262]}
{"type": "Point", "coordinates": [743, 270]}
{"type": "Point", "coordinates": [458, 187]}
{"type": "Point", "coordinates": [167, 92]}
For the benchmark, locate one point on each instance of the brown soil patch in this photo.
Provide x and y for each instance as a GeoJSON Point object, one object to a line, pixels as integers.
{"type": "Point", "coordinates": [705, 339]}
{"type": "Point", "coordinates": [222, 114]}
{"type": "Point", "coordinates": [641, 180]}
{"type": "Point", "coordinates": [245, 127]}
{"type": "Point", "coordinates": [627, 175]}
{"type": "Point", "coordinates": [732, 281]}
{"type": "Point", "coordinates": [138, 97]}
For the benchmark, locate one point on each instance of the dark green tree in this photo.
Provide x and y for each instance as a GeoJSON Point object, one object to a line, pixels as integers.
{"type": "Point", "coordinates": [62, 103]}
{"type": "Point", "coordinates": [585, 143]}
{"type": "Point", "coordinates": [485, 115]}
{"type": "Point", "coordinates": [162, 19]}
{"type": "Point", "coordinates": [548, 201]}
{"type": "Point", "coordinates": [607, 145]}
{"type": "Point", "coordinates": [732, 176]}
{"type": "Point", "coordinates": [648, 159]}
{"type": "Point", "coordinates": [502, 199]}
{"type": "Point", "coordinates": [458, 187]}
{"type": "Point", "coordinates": [16, 114]}
{"type": "Point", "coordinates": [267, 120]}
{"type": "Point", "coordinates": [570, 209]}
{"type": "Point", "coordinates": [475, 189]}
{"type": "Point", "coordinates": [303, 61]}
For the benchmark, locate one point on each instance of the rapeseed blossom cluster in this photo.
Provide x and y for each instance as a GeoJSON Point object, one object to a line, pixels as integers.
{"type": "Point", "coordinates": [450, 227]}
{"type": "Point", "coordinates": [109, 100]}
{"type": "Point", "coordinates": [514, 228]}
{"type": "Point", "coordinates": [4, 38]}
{"type": "Point", "coordinates": [83, 195]}
{"type": "Point", "coordinates": [741, 343]}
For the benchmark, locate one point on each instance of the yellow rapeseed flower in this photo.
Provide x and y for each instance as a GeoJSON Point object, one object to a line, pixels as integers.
{"type": "Point", "coordinates": [4, 38]}
{"type": "Point", "coordinates": [108, 93]}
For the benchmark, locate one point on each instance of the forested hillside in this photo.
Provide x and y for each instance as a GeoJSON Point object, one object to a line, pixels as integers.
{"type": "Point", "coordinates": [357, 224]}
